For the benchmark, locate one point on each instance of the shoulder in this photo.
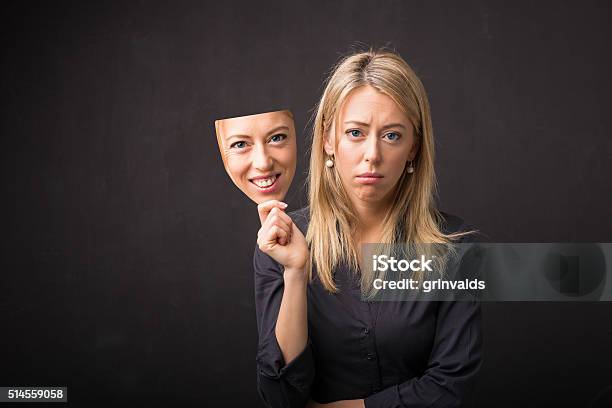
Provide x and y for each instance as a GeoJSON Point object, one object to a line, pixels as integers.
{"type": "Point", "coordinates": [451, 224]}
{"type": "Point", "coordinates": [448, 223]}
{"type": "Point", "coordinates": [301, 218]}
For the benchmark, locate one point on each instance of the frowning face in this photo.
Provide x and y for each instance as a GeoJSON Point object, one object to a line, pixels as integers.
{"type": "Point", "coordinates": [259, 153]}
{"type": "Point", "coordinates": [372, 142]}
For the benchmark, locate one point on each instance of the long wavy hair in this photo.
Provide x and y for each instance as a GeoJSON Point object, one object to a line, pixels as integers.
{"type": "Point", "coordinates": [412, 216]}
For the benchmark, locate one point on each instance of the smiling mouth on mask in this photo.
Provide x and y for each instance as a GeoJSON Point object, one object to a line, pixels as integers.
{"type": "Point", "coordinates": [265, 183]}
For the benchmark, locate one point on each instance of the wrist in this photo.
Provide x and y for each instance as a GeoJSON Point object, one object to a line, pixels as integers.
{"type": "Point", "coordinates": [295, 275]}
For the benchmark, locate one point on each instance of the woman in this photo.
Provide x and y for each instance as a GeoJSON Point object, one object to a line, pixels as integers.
{"type": "Point", "coordinates": [371, 180]}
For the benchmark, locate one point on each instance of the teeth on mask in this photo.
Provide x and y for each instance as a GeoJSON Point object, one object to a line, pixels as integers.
{"type": "Point", "coordinates": [267, 182]}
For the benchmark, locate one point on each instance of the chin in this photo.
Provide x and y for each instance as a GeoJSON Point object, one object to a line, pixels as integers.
{"type": "Point", "coordinates": [369, 198]}
{"type": "Point", "coordinates": [261, 198]}
{"type": "Point", "coordinates": [373, 197]}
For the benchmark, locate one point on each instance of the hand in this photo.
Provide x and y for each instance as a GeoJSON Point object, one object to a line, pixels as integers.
{"type": "Point", "coordinates": [264, 208]}
{"type": "Point", "coordinates": [280, 238]}
{"type": "Point", "coordinates": [357, 403]}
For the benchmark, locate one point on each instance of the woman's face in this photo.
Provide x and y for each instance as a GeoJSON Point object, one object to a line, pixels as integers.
{"type": "Point", "coordinates": [371, 142]}
{"type": "Point", "coordinates": [259, 153]}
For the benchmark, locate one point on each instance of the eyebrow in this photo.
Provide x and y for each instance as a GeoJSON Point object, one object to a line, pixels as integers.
{"type": "Point", "coordinates": [270, 132]}
{"type": "Point", "coordinates": [237, 136]}
{"type": "Point", "coordinates": [276, 129]}
{"type": "Point", "coordinates": [391, 125]}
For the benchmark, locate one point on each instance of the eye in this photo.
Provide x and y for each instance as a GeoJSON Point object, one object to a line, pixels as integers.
{"type": "Point", "coordinates": [393, 136]}
{"type": "Point", "coordinates": [278, 138]}
{"type": "Point", "coordinates": [354, 132]}
{"type": "Point", "coordinates": [238, 145]}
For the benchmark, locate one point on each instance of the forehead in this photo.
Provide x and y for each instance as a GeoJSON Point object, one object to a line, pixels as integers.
{"type": "Point", "coordinates": [254, 125]}
{"type": "Point", "coordinates": [366, 103]}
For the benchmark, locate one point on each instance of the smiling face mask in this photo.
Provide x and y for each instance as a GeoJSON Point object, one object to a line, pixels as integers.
{"type": "Point", "coordinates": [259, 153]}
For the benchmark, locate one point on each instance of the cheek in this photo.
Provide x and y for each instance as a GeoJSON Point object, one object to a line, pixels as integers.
{"type": "Point", "coordinates": [342, 161]}
{"type": "Point", "coordinates": [285, 158]}
{"type": "Point", "coordinates": [398, 156]}
{"type": "Point", "coordinates": [238, 166]}
{"type": "Point", "coordinates": [396, 161]}
{"type": "Point", "coordinates": [348, 158]}
{"type": "Point", "coordinates": [348, 154]}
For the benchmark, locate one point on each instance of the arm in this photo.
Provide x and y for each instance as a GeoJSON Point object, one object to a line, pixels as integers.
{"type": "Point", "coordinates": [292, 322]}
{"type": "Point", "coordinates": [284, 359]}
{"type": "Point", "coordinates": [454, 362]}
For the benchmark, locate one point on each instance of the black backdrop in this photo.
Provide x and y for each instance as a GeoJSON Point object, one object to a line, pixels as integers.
{"type": "Point", "coordinates": [127, 252]}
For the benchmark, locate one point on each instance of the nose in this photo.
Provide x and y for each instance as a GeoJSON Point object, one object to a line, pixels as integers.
{"type": "Point", "coordinates": [261, 160]}
{"type": "Point", "coordinates": [372, 152]}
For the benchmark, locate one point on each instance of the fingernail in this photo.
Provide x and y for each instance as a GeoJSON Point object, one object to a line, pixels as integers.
{"type": "Point", "coordinates": [284, 205]}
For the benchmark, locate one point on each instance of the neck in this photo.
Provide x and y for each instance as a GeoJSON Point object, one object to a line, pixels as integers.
{"type": "Point", "coordinates": [370, 216]}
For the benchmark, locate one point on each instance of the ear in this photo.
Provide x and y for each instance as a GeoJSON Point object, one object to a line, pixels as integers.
{"type": "Point", "coordinates": [414, 150]}
{"type": "Point", "coordinates": [329, 142]}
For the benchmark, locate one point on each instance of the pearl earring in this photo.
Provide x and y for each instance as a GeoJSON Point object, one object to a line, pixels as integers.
{"type": "Point", "coordinates": [410, 169]}
{"type": "Point", "coordinates": [329, 163]}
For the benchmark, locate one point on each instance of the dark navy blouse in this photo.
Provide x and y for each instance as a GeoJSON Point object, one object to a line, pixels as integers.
{"type": "Point", "coordinates": [392, 354]}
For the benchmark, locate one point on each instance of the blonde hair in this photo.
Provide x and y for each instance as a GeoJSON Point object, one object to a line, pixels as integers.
{"type": "Point", "coordinates": [412, 216]}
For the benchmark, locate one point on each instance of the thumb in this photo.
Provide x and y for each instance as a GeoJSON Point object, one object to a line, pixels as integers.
{"type": "Point", "coordinates": [264, 208]}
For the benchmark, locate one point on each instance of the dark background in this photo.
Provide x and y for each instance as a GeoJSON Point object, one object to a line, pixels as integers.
{"type": "Point", "coordinates": [126, 263]}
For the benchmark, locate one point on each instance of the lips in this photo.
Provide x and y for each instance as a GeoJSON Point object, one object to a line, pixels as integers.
{"type": "Point", "coordinates": [369, 178]}
{"type": "Point", "coordinates": [370, 175]}
{"type": "Point", "coordinates": [265, 183]}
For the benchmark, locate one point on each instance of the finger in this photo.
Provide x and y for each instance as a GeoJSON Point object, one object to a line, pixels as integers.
{"type": "Point", "coordinates": [276, 214]}
{"type": "Point", "coordinates": [275, 220]}
{"type": "Point", "coordinates": [275, 235]}
{"type": "Point", "coordinates": [283, 215]}
{"type": "Point", "coordinates": [264, 208]}
{"type": "Point", "coordinates": [268, 233]}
